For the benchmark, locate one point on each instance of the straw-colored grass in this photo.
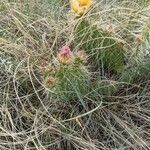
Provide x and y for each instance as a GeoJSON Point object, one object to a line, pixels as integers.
{"type": "Point", "coordinates": [101, 104]}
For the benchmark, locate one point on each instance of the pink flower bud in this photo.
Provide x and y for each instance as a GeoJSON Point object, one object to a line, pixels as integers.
{"type": "Point", "coordinates": [65, 55]}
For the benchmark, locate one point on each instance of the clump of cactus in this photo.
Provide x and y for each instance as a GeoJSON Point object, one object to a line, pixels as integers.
{"type": "Point", "coordinates": [102, 48]}
{"type": "Point", "coordinates": [74, 74]}
{"type": "Point", "coordinates": [68, 79]}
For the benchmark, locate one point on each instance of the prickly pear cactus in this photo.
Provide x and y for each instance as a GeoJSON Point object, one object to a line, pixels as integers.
{"type": "Point", "coordinates": [101, 47]}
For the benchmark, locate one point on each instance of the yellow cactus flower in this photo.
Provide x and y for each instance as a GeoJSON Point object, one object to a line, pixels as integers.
{"type": "Point", "coordinates": [85, 2]}
{"type": "Point", "coordinates": [76, 8]}
{"type": "Point", "coordinates": [80, 6]}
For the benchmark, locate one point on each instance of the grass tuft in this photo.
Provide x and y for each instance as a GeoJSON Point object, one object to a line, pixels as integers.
{"type": "Point", "coordinates": [94, 97]}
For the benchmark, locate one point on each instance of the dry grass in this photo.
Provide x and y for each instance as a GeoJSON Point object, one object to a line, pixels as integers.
{"type": "Point", "coordinates": [114, 112]}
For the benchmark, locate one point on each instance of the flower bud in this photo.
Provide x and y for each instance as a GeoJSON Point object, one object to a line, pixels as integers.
{"type": "Point", "coordinates": [81, 55]}
{"type": "Point", "coordinates": [65, 55]}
